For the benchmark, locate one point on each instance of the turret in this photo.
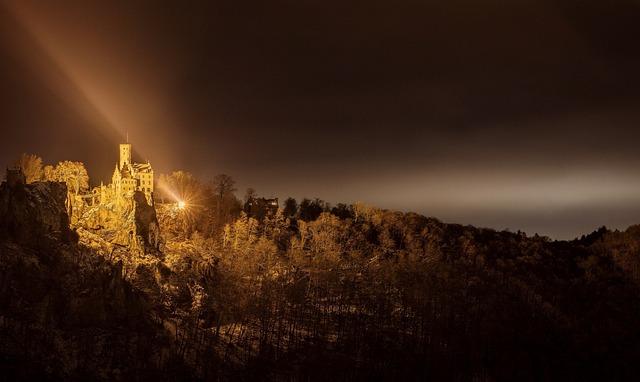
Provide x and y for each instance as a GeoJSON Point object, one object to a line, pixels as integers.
{"type": "Point", "coordinates": [125, 154]}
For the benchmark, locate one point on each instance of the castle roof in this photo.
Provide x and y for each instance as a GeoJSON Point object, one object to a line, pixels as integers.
{"type": "Point", "coordinates": [125, 172]}
{"type": "Point", "coordinates": [142, 167]}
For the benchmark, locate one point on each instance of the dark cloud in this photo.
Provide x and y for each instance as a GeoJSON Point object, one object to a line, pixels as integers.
{"type": "Point", "coordinates": [341, 100]}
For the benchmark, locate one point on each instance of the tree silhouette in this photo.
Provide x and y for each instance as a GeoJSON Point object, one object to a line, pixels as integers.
{"type": "Point", "coordinates": [310, 209]}
{"type": "Point", "coordinates": [290, 207]}
{"type": "Point", "coordinates": [31, 166]}
{"type": "Point", "coordinates": [227, 206]}
{"type": "Point", "coordinates": [250, 193]}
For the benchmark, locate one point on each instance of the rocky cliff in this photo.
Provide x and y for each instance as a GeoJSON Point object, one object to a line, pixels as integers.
{"type": "Point", "coordinates": [131, 225]}
{"type": "Point", "coordinates": [147, 229]}
{"type": "Point", "coordinates": [66, 312]}
{"type": "Point", "coordinates": [34, 214]}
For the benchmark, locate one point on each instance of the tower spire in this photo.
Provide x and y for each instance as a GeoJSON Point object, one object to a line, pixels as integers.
{"type": "Point", "coordinates": [127, 136]}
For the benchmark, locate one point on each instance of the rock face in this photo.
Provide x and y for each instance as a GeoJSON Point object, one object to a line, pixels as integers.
{"type": "Point", "coordinates": [147, 228]}
{"type": "Point", "coordinates": [34, 214]}
{"type": "Point", "coordinates": [66, 313]}
{"type": "Point", "coordinates": [131, 225]}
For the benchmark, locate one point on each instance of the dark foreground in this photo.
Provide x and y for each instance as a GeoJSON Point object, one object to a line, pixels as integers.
{"type": "Point", "coordinates": [368, 295]}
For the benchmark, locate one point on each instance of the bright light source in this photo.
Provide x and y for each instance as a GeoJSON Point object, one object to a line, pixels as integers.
{"type": "Point", "coordinates": [181, 204]}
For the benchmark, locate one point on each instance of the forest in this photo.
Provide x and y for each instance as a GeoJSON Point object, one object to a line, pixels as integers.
{"type": "Point", "coordinates": [310, 291]}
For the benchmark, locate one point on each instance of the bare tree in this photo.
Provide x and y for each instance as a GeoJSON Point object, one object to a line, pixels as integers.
{"type": "Point", "coordinates": [225, 200]}
{"type": "Point", "coordinates": [223, 185]}
{"type": "Point", "coordinates": [31, 166]}
{"type": "Point", "coordinates": [249, 194]}
{"type": "Point", "coordinates": [182, 185]}
{"type": "Point", "coordinates": [74, 174]}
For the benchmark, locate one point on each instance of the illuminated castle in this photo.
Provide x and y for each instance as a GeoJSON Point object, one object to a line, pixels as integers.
{"type": "Point", "coordinates": [129, 177]}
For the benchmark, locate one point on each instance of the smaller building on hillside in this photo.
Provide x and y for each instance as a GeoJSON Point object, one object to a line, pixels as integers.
{"type": "Point", "coordinates": [259, 208]}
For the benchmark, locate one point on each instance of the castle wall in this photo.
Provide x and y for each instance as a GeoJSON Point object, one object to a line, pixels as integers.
{"type": "Point", "coordinates": [136, 177]}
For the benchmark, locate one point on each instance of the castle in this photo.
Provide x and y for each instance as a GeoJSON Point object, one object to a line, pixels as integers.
{"type": "Point", "coordinates": [129, 177]}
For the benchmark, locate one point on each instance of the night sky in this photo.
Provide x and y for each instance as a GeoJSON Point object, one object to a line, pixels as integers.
{"type": "Point", "coordinates": [507, 114]}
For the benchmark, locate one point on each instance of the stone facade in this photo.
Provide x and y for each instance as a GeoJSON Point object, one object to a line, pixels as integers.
{"type": "Point", "coordinates": [129, 177]}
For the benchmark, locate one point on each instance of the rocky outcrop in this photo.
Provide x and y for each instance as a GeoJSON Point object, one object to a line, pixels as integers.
{"type": "Point", "coordinates": [66, 313]}
{"type": "Point", "coordinates": [34, 214]}
{"type": "Point", "coordinates": [147, 228]}
{"type": "Point", "coordinates": [131, 224]}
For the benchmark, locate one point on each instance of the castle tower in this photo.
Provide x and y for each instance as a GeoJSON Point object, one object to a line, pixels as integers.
{"type": "Point", "coordinates": [125, 154]}
{"type": "Point", "coordinates": [129, 177]}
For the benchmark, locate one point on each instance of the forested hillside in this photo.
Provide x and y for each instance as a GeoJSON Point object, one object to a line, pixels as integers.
{"type": "Point", "coordinates": [310, 292]}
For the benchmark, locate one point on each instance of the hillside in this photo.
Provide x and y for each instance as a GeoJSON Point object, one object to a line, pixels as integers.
{"type": "Point", "coordinates": [355, 293]}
